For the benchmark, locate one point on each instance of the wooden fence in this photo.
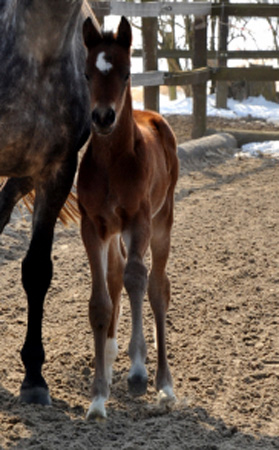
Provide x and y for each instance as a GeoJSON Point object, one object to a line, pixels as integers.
{"type": "Point", "coordinates": [198, 77]}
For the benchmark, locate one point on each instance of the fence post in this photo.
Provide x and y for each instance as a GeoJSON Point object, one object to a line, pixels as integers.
{"type": "Point", "coordinates": [222, 86]}
{"type": "Point", "coordinates": [199, 90]}
{"type": "Point", "coordinates": [149, 46]}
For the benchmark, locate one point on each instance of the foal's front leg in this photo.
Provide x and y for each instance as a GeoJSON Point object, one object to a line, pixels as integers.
{"type": "Point", "coordinates": [100, 314]}
{"type": "Point", "coordinates": [135, 282]}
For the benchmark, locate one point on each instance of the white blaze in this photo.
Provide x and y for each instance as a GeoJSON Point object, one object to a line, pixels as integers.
{"type": "Point", "coordinates": [102, 64]}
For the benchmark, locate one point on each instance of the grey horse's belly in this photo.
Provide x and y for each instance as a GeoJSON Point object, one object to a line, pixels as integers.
{"type": "Point", "coordinates": [31, 141]}
{"type": "Point", "coordinates": [30, 145]}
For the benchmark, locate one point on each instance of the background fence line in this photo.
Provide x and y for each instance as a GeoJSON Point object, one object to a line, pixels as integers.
{"type": "Point", "coordinates": [201, 73]}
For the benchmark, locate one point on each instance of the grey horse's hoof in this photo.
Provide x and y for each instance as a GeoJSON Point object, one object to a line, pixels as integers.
{"type": "Point", "coordinates": [37, 395]}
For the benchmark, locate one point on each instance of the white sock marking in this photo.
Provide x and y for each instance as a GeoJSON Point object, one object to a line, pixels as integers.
{"type": "Point", "coordinates": [111, 352]}
{"type": "Point", "coordinates": [166, 395]}
{"type": "Point", "coordinates": [97, 409]}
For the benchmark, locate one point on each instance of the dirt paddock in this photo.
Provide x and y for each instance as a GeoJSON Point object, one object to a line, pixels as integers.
{"type": "Point", "coordinates": [223, 325]}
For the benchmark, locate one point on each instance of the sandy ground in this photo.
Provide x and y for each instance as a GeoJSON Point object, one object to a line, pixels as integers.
{"type": "Point", "coordinates": [223, 327]}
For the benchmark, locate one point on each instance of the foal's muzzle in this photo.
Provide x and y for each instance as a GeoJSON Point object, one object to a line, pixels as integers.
{"type": "Point", "coordinates": [103, 120]}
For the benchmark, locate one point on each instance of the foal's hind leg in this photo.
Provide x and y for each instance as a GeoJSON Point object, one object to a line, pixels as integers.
{"type": "Point", "coordinates": [12, 192]}
{"type": "Point", "coordinates": [159, 296]}
{"type": "Point", "coordinates": [36, 277]}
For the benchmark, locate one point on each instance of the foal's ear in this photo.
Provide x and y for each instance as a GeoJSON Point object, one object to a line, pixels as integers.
{"type": "Point", "coordinates": [124, 33]}
{"type": "Point", "coordinates": [91, 35]}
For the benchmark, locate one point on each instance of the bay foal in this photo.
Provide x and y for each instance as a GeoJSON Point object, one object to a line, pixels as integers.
{"type": "Point", "coordinates": [125, 188]}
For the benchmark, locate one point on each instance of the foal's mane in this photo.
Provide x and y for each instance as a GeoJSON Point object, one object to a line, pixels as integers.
{"type": "Point", "coordinates": [108, 37]}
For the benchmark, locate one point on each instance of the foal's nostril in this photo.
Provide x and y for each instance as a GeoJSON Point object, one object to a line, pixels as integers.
{"type": "Point", "coordinates": [95, 116]}
{"type": "Point", "coordinates": [109, 117]}
{"type": "Point", "coordinates": [103, 117]}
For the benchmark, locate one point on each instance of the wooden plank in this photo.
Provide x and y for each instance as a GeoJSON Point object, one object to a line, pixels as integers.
{"type": "Point", "coordinates": [157, 78]}
{"type": "Point", "coordinates": [199, 90]}
{"type": "Point", "coordinates": [196, 8]}
{"type": "Point", "coordinates": [202, 75]}
{"type": "Point", "coordinates": [151, 94]}
{"type": "Point", "coordinates": [151, 78]}
{"type": "Point", "coordinates": [245, 73]}
{"type": "Point", "coordinates": [246, 10]}
{"type": "Point", "coordinates": [247, 54]}
{"type": "Point", "coordinates": [221, 86]}
{"type": "Point", "coordinates": [150, 9]}
{"type": "Point", "coordinates": [230, 54]}
{"type": "Point", "coordinates": [193, 77]}
{"type": "Point", "coordinates": [166, 53]}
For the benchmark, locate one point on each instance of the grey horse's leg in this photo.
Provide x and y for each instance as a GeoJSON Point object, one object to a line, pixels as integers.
{"type": "Point", "coordinates": [36, 278]}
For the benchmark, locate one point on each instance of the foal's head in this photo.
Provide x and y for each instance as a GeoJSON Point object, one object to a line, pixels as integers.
{"type": "Point", "coordinates": [108, 73]}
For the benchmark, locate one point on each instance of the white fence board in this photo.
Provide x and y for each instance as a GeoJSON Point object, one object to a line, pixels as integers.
{"type": "Point", "coordinates": [150, 9]}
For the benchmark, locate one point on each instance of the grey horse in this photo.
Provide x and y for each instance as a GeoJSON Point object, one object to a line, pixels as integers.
{"type": "Point", "coordinates": [44, 121]}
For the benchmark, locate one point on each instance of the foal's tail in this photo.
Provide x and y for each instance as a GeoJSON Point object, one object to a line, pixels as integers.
{"type": "Point", "coordinates": [68, 214]}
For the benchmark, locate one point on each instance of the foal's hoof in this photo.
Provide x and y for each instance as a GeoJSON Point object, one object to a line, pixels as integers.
{"type": "Point", "coordinates": [97, 410]}
{"type": "Point", "coordinates": [37, 395]}
{"type": "Point", "coordinates": [137, 384]}
{"type": "Point", "coordinates": [166, 396]}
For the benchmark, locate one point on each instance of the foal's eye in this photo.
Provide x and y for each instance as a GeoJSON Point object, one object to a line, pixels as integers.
{"type": "Point", "coordinates": [127, 76]}
{"type": "Point", "coordinates": [86, 76]}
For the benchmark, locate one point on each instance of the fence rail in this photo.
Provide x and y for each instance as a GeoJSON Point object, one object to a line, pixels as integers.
{"type": "Point", "coordinates": [204, 74]}
{"type": "Point", "coordinates": [245, 10]}
{"type": "Point", "coordinates": [150, 9]}
{"type": "Point", "coordinates": [154, 9]}
{"type": "Point", "coordinates": [157, 78]}
{"type": "Point", "coordinates": [212, 54]}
